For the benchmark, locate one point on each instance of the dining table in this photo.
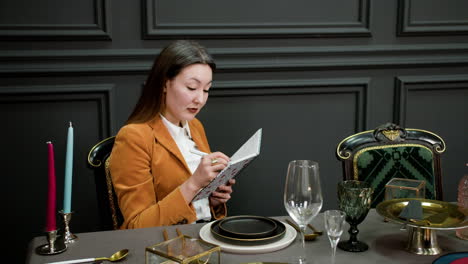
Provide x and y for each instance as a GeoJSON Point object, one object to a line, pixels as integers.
{"type": "Point", "coordinates": [387, 242]}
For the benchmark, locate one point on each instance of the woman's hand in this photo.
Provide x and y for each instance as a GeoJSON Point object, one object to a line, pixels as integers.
{"type": "Point", "coordinates": [222, 193]}
{"type": "Point", "coordinates": [209, 167]}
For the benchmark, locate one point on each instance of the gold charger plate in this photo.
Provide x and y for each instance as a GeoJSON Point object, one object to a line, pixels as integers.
{"type": "Point", "coordinates": [437, 215]}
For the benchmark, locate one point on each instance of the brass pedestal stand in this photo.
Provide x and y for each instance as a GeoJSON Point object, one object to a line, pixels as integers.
{"type": "Point", "coordinates": [422, 241]}
{"type": "Point", "coordinates": [69, 236]}
{"type": "Point", "coordinates": [55, 244]}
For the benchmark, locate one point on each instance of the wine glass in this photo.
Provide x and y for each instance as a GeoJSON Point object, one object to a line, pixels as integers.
{"type": "Point", "coordinates": [334, 223]}
{"type": "Point", "coordinates": [354, 198]}
{"type": "Point", "coordinates": [302, 195]}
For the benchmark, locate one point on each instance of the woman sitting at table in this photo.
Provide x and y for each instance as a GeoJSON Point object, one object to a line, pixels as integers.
{"type": "Point", "coordinates": [154, 170]}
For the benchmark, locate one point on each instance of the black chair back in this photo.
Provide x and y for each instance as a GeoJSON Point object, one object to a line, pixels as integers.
{"type": "Point", "coordinates": [98, 160]}
{"type": "Point", "coordinates": [390, 151]}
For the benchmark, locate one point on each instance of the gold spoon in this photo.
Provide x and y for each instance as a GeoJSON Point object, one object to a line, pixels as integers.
{"type": "Point", "coordinates": [115, 257]}
{"type": "Point", "coordinates": [308, 237]}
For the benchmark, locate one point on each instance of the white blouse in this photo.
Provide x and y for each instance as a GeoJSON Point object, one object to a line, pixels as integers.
{"type": "Point", "coordinates": [183, 139]}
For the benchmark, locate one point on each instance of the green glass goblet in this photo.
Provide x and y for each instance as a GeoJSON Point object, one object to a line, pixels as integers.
{"type": "Point", "coordinates": [354, 198]}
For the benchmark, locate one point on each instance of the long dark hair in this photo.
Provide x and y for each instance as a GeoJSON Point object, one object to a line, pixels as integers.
{"type": "Point", "coordinates": [167, 65]}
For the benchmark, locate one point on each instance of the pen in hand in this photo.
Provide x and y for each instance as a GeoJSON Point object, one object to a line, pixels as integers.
{"type": "Point", "coordinates": [198, 152]}
{"type": "Point", "coordinates": [201, 153]}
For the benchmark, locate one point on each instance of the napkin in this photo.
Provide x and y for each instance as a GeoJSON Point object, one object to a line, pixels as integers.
{"type": "Point", "coordinates": [460, 261]}
{"type": "Point", "coordinates": [413, 210]}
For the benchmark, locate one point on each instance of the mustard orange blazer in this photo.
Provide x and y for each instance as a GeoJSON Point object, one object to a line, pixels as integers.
{"type": "Point", "coordinates": [147, 169]}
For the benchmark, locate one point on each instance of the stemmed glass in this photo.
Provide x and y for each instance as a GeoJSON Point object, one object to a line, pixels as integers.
{"type": "Point", "coordinates": [334, 222]}
{"type": "Point", "coordinates": [354, 198]}
{"type": "Point", "coordinates": [303, 195]}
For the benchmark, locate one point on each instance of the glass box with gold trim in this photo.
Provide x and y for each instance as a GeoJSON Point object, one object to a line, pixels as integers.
{"type": "Point", "coordinates": [398, 188]}
{"type": "Point", "coordinates": [183, 249]}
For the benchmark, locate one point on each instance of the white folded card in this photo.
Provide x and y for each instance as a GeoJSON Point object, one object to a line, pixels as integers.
{"type": "Point", "coordinates": [243, 156]}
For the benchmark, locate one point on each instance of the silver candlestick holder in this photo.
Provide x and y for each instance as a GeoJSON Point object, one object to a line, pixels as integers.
{"type": "Point", "coordinates": [69, 237]}
{"type": "Point", "coordinates": [55, 244]}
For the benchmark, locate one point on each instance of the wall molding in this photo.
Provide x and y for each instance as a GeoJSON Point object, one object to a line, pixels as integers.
{"type": "Point", "coordinates": [99, 30]}
{"type": "Point", "coordinates": [152, 29]}
{"type": "Point", "coordinates": [139, 61]}
{"type": "Point", "coordinates": [408, 26]}
{"type": "Point", "coordinates": [102, 93]}
{"type": "Point", "coordinates": [357, 86]}
{"type": "Point", "coordinates": [406, 84]}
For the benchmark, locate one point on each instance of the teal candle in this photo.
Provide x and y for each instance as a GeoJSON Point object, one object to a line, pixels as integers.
{"type": "Point", "coordinates": [68, 171]}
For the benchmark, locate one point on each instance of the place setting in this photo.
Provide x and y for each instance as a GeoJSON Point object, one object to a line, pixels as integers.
{"type": "Point", "coordinates": [248, 234]}
{"type": "Point", "coordinates": [302, 197]}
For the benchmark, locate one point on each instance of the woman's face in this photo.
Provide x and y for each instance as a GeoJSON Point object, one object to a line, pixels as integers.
{"type": "Point", "coordinates": [187, 93]}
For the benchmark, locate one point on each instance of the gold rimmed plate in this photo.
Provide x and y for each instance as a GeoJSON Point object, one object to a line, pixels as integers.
{"type": "Point", "coordinates": [436, 214]}
{"type": "Point", "coordinates": [247, 226]}
{"type": "Point", "coordinates": [278, 233]}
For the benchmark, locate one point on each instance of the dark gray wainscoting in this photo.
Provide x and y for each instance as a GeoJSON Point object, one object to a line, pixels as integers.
{"type": "Point", "coordinates": [309, 72]}
{"type": "Point", "coordinates": [238, 60]}
{"type": "Point", "coordinates": [32, 116]}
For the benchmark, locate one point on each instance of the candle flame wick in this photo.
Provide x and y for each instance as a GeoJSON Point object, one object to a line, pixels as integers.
{"type": "Point", "coordinates": [49, 142]}
{"type": "Point", "coordinates": [71, 124]}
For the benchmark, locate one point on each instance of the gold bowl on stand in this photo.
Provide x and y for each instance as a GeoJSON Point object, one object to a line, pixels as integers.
{"type": "Point", "coordinates": [437, 215]}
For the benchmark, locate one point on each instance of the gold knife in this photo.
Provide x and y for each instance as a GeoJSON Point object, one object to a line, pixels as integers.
{"type": "Point", "coordinates": [308, 237]}
{"type": "Point", "coordinates": [293, 225]}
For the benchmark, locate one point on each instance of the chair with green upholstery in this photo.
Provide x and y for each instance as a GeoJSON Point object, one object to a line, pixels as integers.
{"type": "Point", "coordinates": [389, 151]}
{"type": "Point", "coordinates": [98, 160]}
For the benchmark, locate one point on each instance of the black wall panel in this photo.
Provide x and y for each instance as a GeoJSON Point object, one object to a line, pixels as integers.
{"type": "Point", "coordinates": [71, 20]}
{"type": "Point", "coordinates": [278, 19]}
{"type": "Point", "coordinates": [443, 18]}
{"type": "Point", "coordinates": [288, 113]}
{"type": "Point", "coordinates": [442, 101]}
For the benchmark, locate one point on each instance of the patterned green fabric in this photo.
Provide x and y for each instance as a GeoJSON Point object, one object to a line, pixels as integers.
{"type": "Point", "coordinates": [377, 165]}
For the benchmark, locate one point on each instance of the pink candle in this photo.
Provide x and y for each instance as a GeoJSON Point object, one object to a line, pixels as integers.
{"type": "Point", "coordinates": [51, 195]}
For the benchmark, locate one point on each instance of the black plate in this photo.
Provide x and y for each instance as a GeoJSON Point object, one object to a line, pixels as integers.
{"type": "Point", "coordinates": [247, 226]}
{"type": "Point", "coordinates": [279, 232]}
